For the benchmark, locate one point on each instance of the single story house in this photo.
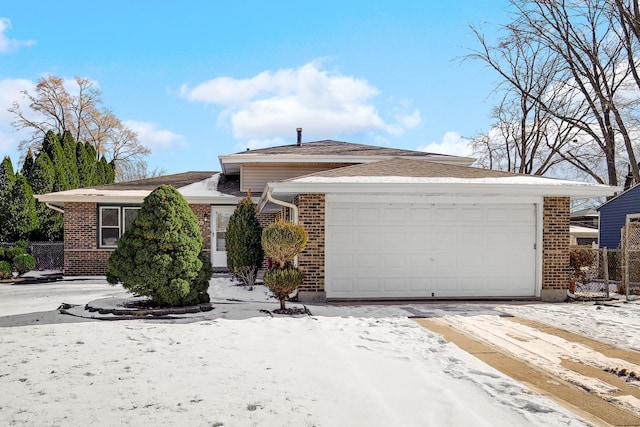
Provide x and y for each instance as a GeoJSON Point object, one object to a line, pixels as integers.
{"type": "Point", "coordinates": [615, 214]}
{"type": "Point", "coordinates": [383, 223]}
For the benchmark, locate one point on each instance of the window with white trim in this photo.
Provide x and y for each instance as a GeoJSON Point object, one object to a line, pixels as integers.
{"type": "Point", "coordinates": [633, 218]}
{"type": "Point", "coordinates": [113, 221]}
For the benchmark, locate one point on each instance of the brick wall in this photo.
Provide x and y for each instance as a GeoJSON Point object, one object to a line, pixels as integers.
{"type": "Point", "coordinates": [555, 244]}
{"type": "Point", "coordinates": [81, 254]}
{"type": "Point", "coordinates": [311, 218]}
{"type": "Point", "coordinates": [82, 257]}
{"type": "Point", "coordinates": [205, 224]}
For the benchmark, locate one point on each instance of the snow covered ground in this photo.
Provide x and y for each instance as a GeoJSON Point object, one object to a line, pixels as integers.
{"type": "Point", "coordinates": [367, 365]}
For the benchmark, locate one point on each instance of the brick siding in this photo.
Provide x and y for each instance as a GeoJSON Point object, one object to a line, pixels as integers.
{"type": "Point", "coordinates": [555, 243]}
{"type": "Point", "coordinates": [82, 257]}
{"type": "Point", "coordinates": [311, 217]}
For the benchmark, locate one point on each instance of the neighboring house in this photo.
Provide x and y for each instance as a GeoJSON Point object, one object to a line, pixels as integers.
{"type": "Point", "coordinates": [382, 222]}
{"type": "Point", "coordinates": [583, 236]}
{"type": "Point", "coordinates": [583, 227]}
{"type": "Point", "coordinates": [615, 214]}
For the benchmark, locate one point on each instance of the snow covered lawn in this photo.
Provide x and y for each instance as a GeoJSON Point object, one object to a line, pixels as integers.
{"type": "Point", "coordinates": [343, 366]}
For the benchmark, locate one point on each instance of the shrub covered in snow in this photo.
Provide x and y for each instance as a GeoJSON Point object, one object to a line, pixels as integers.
{"type": "Point", "coordinates": [159, 255]}
{"type": "Point", "coordinates": [244, 250]}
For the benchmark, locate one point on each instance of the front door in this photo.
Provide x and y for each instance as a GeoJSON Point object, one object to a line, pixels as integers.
{"type": "Point", "coordinates": [220, 220]}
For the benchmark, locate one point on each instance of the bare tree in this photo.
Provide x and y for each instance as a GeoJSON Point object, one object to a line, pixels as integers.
{"type": "Point", "coordinates": [582, 84]}
{"type": "Point", "coordinates": [81, 112]}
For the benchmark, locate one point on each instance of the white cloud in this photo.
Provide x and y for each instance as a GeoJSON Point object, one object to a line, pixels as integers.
{"type": "Point", "coordinates": [8, 45]}
{"type": "Point", "coordinates": [151, 136]}
{"type": "Point", "coordinates": [273, 104]}
{"type": "Point", "coordinates": [10, 91]}
{"type": "Point", "coordinates": [409, 121]}
{"type": "Point", "coordinates": [452, 143]}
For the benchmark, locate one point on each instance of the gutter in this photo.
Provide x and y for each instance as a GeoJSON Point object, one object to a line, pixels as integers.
{"type": "Point", "coordinates": [291, 206]}
{"type": "Point", "coordinates": [294, 210]}
{"type": "Point", "coordinates": [55, 208]}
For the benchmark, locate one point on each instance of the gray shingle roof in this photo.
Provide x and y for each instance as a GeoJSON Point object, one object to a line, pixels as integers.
{"type": "Point", "coordinates": [412, 168]}
{"type": "Point", "coordinates": [331, 147]}
{"type": "Point", "coordinates": [176, 180]}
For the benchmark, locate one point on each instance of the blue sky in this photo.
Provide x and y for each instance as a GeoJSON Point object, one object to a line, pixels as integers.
{"type": "Point", "coordinates": [198, 79]}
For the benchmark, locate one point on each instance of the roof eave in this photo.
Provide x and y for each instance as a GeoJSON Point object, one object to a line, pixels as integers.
{"type": "Point", "coordinates": [439, 188]}
{"type": "Point", "coordinates": [231, 163]}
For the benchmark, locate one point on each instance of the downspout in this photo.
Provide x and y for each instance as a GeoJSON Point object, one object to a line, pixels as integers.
{"type": "Point", "coordinates": [294, 213]}
{"type": "Point", "coordinates": [55, 208]}
{"type": "Point", "coordinates": [291, 206]}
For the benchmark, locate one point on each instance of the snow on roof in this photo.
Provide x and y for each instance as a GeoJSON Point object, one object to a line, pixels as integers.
{"type": "Point", "coordinates": [522, 180]}
{"type": "Point", "coordinates": [205, 188]}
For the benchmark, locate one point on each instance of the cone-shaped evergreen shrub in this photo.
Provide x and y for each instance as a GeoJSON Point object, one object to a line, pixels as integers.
{"type": "Point", "coordinates": [243, 241]}
{"type": "Point", "coordinates": [282, 241]}
{"type": "Point", "coordinates": [158, 256]}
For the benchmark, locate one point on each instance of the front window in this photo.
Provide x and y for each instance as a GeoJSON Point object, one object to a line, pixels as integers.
{"type": "Point", "coordinates": [114, 221]}
{"type": "Point", "coordinates": [222, 222]}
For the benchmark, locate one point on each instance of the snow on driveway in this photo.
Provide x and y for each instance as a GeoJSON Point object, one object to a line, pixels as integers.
{"type": "Point", "coordinates": [355, 366]}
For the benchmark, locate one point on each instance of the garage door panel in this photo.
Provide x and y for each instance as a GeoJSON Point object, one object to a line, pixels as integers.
{"type": "Point", "coordinates": [394, 260]}
{"type": "Point", "coordinates": [342, 260]}
{"type": "Point", "coordinates": [378, 250]}
{"type": "Point", "coordinates": [368, 261]}
{"type": "Point", "coordinates": [394, 215]}
{"type": "Point", "coordinates": [470, 285]}
{"type": "Point", "coordinates": [368, 285]}
{"type": "Point", "coordinates": [368, 214]}
{"type": "Point", "coordinates": [445, 238]}
{"type": "Point", "coordinates": [445, 214]}
{"type": "Point", "coordinates": [394, 285]}
{"type": "Point", "coordinates": [497, 214]}
{"type": "Point", "coordinates": [420, 214]}
{"type": "Point", "coordinates": [342, 215]}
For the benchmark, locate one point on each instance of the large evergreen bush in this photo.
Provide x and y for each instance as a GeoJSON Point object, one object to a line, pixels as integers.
{"type": "Point", "coordinates": [282, 242]}
{"type": "Point", "coordinates": [159, 255]}
{"type": "Point", "coordinates": [243, 242]}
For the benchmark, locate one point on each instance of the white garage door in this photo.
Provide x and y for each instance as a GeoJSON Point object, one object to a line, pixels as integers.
{"type": "Point", "coordinates": [410, 250]}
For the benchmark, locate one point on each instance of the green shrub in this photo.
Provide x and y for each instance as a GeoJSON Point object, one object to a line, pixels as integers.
{"type": "Point", "coordinates": [201, 282]}
{"type": "Point", "coordinates": [24, 263]}
{"type": "Point", "coordinates": [283, 281]}
{"type": "Point", "coordinates": [159, 255]}
{"type": "Point", "coordinates": [21, 244]}
{"type": "Point", "coordinates": [5, 270]}
{"type": "Point", "coordinates": [282, 241]}
{"type": "Point", "coordinates": [13, 252]}
{"type": "Point", "coordinates": [243, 242]}
{"type": "Point", "coordinates": [2, 253]}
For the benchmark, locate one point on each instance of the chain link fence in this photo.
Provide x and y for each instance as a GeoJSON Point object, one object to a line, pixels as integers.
{"type": "Point", "coordinates": [48, 255]}
{"type": "Point", "coordinates": [608, 273]}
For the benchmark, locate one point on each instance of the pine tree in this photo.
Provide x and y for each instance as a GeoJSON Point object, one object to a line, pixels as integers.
{"type": "Point", "coordinates": [244, 249]}
{"type": "Point", "coordinates": [86, 166]}
{"type": "Point", "coordinates": [7, 180]}
{"type": "Point", "coordinates": [21, 211]}
{"type": "Point", "coordinates": [28, 163]}
{"type": "Point", "coordinates": [159, 255]}
{"type": "Point", "coordinates": [42, 180]}
{"type": "Point", "coordinates": [54, 149]}
{"type": "Point", "coordinates": [71, 165]}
